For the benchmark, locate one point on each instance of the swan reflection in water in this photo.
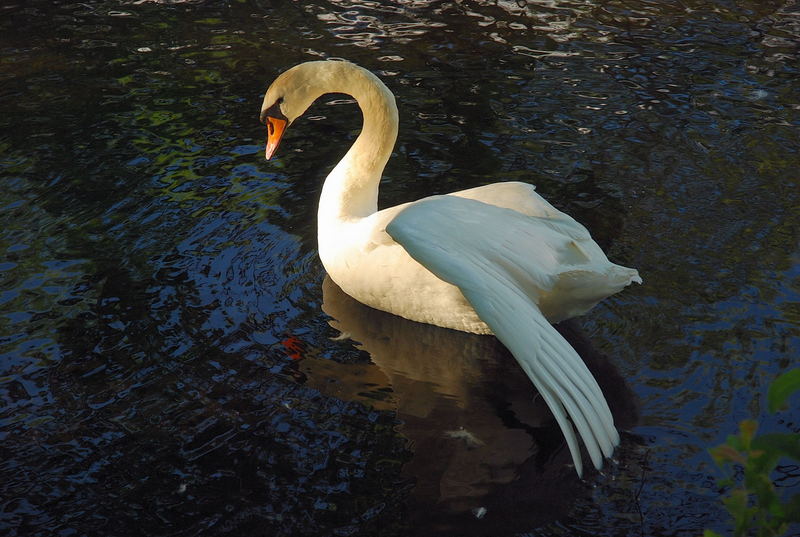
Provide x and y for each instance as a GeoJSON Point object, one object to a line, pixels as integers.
{"type": "Point", "coordinates": [482, 444]}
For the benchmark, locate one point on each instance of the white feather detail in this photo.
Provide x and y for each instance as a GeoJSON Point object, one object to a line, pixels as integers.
{"type": "Point", "coordinates": [486, 251]}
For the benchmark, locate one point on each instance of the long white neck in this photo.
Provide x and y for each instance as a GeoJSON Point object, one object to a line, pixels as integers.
{"type": "Point", "coordinates": [351, 189]}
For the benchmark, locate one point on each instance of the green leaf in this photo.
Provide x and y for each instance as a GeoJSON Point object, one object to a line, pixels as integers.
{"type": "Point", "coordinates": [778, 445]}
{"type": "Point", "coordinates": [782, 388]}
{"type": "Point", "coordinates": [747, 429]}
{"type": "Point", "coordinates": [735, 442]}
{"type": "Point", "coordinates": [736, 504]}
{"type": "Point", "coordinates": [767, 498]}
{"type": "Point", "coordinates": [710, 533]}
{"type": "Point", "coordinates": [724, 453]}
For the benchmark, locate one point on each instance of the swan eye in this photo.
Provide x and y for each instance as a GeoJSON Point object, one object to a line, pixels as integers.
{"type": "Point", "coordinates": [273, 111]}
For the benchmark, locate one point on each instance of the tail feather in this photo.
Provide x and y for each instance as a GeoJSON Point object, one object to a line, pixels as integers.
{"type": "Point", "coordinates": [577, 411]}
{"type": "Point", "coordinates": [561, 377]}
{"type": "Point", "coordinates": [558, 413]}
{"type": "Point", "coordinates": [583, 379]}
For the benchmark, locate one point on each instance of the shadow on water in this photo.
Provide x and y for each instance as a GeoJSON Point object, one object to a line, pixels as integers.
{"type": "Point", "coordinates": [486, 457]}
{"type": "Point", "coordinates": [166, 367]}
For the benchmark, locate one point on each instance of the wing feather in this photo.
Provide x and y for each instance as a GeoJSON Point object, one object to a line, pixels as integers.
{"type": "Point", "coordinates": [503, 261]}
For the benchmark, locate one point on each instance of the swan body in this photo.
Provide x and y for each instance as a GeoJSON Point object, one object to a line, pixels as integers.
{"type": "Point", "coordinates": [496, 259]}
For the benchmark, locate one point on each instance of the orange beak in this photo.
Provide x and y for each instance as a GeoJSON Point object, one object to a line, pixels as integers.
{"type": "Point", "coordinates": [275, 129]}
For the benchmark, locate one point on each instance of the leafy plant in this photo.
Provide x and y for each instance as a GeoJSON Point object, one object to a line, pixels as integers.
{"type": "Point", "coordinates": [755, 505]}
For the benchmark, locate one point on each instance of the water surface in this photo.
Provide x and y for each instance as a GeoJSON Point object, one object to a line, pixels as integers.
{"type": "Point", "coordinates": [175, 363]}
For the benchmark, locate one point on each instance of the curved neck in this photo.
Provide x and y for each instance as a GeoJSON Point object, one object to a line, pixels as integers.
{"type": "Point", "coordinates": [351, 189]}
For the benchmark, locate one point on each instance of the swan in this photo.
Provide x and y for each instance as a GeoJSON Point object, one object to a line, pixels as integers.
{"type": "Point", "coordinates": [496, 259]}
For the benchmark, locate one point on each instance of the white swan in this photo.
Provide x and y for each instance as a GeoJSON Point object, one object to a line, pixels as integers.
{"type": "Point", "coordinates": [494, 259]}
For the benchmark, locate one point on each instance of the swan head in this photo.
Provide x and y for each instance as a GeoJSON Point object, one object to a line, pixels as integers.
{"type": "Point", "coordinates": [290, 95]}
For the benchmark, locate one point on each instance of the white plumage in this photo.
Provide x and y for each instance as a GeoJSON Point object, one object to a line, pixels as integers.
{"type": "Point", "coordinates": [494, 259]}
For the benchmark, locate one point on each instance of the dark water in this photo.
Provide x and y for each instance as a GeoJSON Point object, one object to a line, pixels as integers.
{"type": "Point", "coordinates": [172, 358]}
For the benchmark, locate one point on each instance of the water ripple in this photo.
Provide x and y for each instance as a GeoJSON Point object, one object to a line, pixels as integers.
{"type": "Point", "coordinates": [165, 363]}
